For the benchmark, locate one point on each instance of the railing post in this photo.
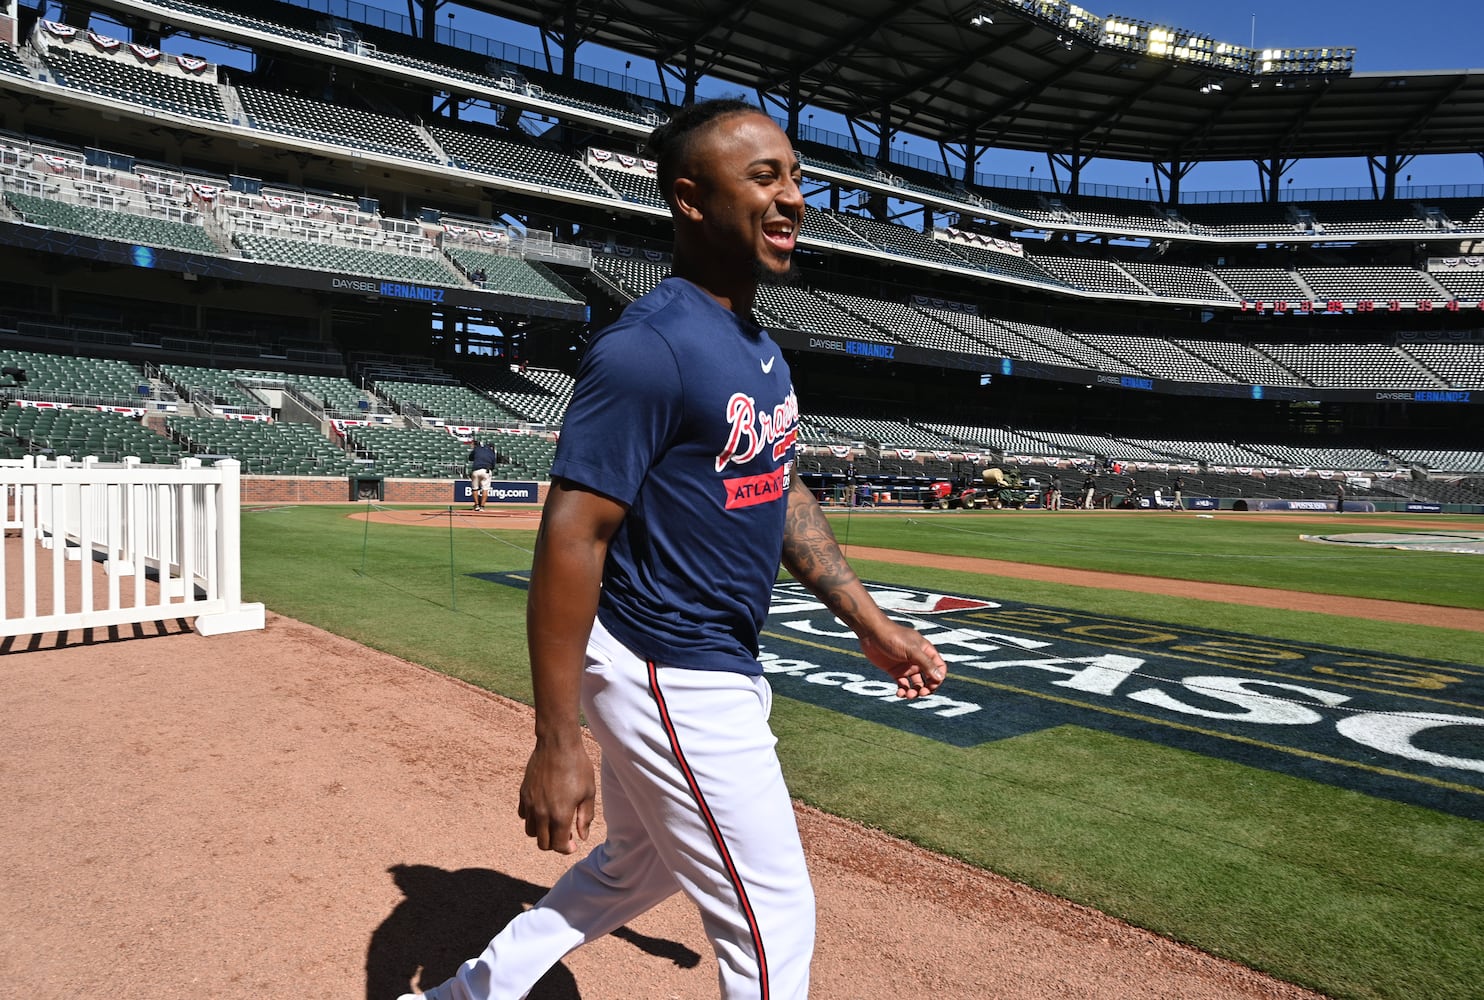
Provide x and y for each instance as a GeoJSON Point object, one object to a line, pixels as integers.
{"type": "Point", "coordinates": [236, 616]}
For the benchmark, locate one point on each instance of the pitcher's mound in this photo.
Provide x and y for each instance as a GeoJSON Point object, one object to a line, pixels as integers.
{"type": "Point", "coordinates": [1471, 542]}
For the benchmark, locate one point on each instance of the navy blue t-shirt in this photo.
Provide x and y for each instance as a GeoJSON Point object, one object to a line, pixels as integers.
{"type": "Point", "coordinates": [685, 413]}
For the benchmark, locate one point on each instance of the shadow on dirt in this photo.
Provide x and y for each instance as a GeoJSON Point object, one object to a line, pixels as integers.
{"type": "Point", "coordinates": [448, 917]}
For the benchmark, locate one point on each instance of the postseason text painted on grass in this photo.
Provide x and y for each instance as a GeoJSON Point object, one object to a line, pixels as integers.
{"type": "Point", "coordinates": [1403, 728]}
{"type": "Point", "coordinates": [1398, 727]}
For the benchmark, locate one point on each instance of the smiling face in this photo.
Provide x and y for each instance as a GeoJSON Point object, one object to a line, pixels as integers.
{"type": "Point", "coordinates": [738, 206]}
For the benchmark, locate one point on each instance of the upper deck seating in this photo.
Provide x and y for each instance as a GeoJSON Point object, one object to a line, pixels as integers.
{"type": "Point", "coordinates": [636, 276]}
{"type": "Point", "coordinates": [157, 89]}
{"type": "Point", "coordinates": [1352, 284]}
{"type": "Point", "coordinates": [795, 308]}
{"type": "Point", "coordinates": [1004, 338]}
{"type": "Point", "coordinates": [1442, 459]}
{"type": "Point", "coordinates": [892, 238]}
{"type": "Point", "coordinates": [1241, 361]}
{"type": "Point", "coordinates": [1241, 219]}
{"type": "Point", "coordinates": [518, 160]}
{"type": "Point", "coordinates": [1465, 284]}
{"type": "Point", "coordinates": [10, 61]}
{"type": "Point", "coordinates": [335, 125]}
{"type": "Point", "coordinates": [1178, 281]}
{"type": "Point", "coordinates": [283, 13]}
{"type": "Point", "coordinates": [1155, 355]}
{"type": "Point", "coordinates": [912, 326]}
{"type": "Point", "coordinates": [1339, 366]}
{"type": "Point", "coordinates": [638, 188]}
{"type": "Point", "coordinates": [1460, 365]}
{"type": "Point", "coordinates": [1091, 273]}
{"type": "Point", "coordinates": [820, 224]}
{"type": "Point", "coordinates": [1068, 346]}
{"type": "Point", "coordinates": [1023, 268]}
{"type": "Point", "coordinates": [1116, 215]}
{"type": "Point", "coordinates": [1263, 284]}
{"type": "Point", "coordinates": [1366, 217]}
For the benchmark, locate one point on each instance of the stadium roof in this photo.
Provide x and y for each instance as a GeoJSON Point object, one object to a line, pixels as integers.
{"type": "Point", "coordinates": [1006, 75]}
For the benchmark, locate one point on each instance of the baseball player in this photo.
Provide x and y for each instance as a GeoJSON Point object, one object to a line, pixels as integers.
{"type": "Point", "coordinates": [672, 503]}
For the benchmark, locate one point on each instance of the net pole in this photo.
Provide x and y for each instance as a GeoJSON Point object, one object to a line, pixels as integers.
{"type": "Point", "coordinates": [453, 596]}
{"type": "Point", "coordinates": [365, 536]}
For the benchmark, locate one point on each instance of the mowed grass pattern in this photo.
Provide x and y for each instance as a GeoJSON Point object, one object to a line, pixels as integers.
{"type": "Point", "coordinates": [1335, 890]}
{"type": "Point", "coordinates": [1218, 549]}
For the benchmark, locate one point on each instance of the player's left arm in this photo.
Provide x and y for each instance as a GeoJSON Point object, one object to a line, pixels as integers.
{"type": "Point", "coordinates": [812, 556]}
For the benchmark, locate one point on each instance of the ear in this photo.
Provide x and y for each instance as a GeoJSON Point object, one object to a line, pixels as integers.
{"type": "Point", "coordinates": [688, 199]}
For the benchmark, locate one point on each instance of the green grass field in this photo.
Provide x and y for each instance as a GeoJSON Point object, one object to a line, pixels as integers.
{"type": "Point", "coordinates": [1351, 895]}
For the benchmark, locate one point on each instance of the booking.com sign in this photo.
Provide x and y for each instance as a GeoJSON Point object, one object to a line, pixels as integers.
{"type": "Point", "coordinates": [499, 492]}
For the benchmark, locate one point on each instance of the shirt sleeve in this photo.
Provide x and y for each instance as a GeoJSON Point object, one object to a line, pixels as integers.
{"type": "Point", "coordinates": [626, 407]}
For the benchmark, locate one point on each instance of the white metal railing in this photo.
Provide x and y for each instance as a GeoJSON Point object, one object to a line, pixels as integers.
{"type": "Point", "coordinates": [180, 525]}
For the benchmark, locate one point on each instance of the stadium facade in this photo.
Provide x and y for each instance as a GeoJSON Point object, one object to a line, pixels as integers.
{"type": "Point", "coordinates": [340, 245]}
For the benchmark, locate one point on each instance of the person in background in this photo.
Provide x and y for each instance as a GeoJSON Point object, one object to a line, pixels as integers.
{"type": "Point", "coordinates": [482, 460]}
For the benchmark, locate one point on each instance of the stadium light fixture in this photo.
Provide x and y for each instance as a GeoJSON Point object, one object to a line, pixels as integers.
{"type": "Point", "coordinates": [1143, 38]}
{"type": "Point", "coordinates": [981, 18]}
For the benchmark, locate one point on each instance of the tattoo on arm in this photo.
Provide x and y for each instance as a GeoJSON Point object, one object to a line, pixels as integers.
{"type": "Point", "coordinates": [813, 557]}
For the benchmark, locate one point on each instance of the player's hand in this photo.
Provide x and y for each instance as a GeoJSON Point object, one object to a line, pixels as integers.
{"type": "Point", "coordinates": [909, 658]}
{"type": "Point", "coordinates": [558, 796]}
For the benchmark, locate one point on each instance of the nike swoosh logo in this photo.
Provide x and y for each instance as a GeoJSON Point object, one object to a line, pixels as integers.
{"type": "Point", "coordinates": [768, 365]}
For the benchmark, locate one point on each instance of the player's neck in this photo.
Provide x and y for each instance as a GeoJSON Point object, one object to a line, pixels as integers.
{"type": "Point", "coordinates": [733, 290]}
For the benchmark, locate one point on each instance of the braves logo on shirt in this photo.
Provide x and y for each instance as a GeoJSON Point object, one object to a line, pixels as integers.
{"type": "Point", "coordinates": [753, 430]}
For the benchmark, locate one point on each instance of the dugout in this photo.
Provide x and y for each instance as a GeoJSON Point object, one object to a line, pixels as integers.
{"type": "Point", "coordinates": [367, 486]}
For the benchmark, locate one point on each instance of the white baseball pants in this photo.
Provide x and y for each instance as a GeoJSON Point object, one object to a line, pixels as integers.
{"type": "Point", "coordinates": [694, 800]}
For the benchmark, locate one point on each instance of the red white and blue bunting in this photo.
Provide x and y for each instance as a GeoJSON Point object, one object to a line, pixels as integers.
{"type": "Point", "coordinates": [987, 242]}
